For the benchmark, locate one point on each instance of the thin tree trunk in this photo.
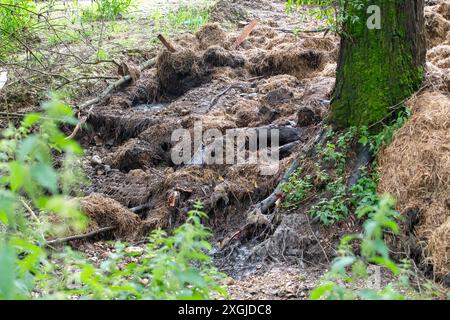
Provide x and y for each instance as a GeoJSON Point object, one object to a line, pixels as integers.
{"type": "Point", "coordinates": [378, 68]}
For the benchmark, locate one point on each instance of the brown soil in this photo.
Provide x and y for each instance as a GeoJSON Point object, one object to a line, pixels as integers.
{"type": "Point", "coordinates": [276, 78]}
{"type": "Point", "coordinates": [273, 78]}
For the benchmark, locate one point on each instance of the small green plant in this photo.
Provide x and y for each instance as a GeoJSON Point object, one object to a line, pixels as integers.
{"type": "Point", "coordinates": [296, 189]}
{"type": "Point", "coordinates": [385, 136]}
{"type": "Point", "coordinates": [28, 179]}
{"type": "Point", "coordinates": [107, 10]}
{"type": "Point", "coordinates": [169, 267]}
{"type": "Point", "coordinates": [350, 267]}
{"type": "Point", "coordinates": [190, 17]}
{"type": "Point", "coordinates": [16, 22]}
{"type": "Point", "coordinates": [364, 193]}
{"type": "Point", "coordinates": [334, 14]}
{"type": "Point", "coordinates": [334, 208]}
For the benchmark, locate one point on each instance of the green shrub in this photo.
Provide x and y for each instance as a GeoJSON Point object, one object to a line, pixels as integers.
{"type": "Point", "coordinates": [29, 180]}
{"type": "Point", "coordinates": [349, 267]}
{"type": "Point", "coordinates": [16, 20]}
{"type": "Point", "coordinates": [334, 14]}
{"type": "Point", "coordinates": [107, 10]}
{"type": "Point", "coordinates": [169, 267]}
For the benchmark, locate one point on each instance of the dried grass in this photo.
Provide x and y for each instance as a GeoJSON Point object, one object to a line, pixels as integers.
{"type": "Point", "coordinates": [415, 168]}
{"type": "Point", "coordinates": [439, 249]}
{"type": "Point", "coordinates": [437, 28]}
{"type": "Point", "coordinates": [211, 35]}
{"type": "Point", "coordinates": [289, 59]}
{"type": "Point", "coordinates": [106, 212]}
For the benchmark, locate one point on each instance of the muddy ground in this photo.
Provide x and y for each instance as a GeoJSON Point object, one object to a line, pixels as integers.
{"type": "Point", "coordinates": [278, 77]}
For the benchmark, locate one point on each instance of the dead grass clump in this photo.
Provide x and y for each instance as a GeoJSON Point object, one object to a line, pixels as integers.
{"type": "Point", "coordinates": [415, 168]}
{"type": "Point", "coordinates": [436, 27]}
{"type": "Point", "coordinates": [280, 39]}
{"type": "Point", "coordinates": [213, 120]}
{"type": "Point", "coordinates": [444, 9]}
{"type": "Point", "coordinates": [289, 60]}
{"type": "Point", "coordinates": [146, 90]}
{"type": "Point", "coordinates": [246, 182]}
{"type": "Point", "coordinates": [263, 31]}
{"type": "Point", "coordinates": [159, 135]}
{"type": "Point", "coordinates": [279, 81]}
{"type": "Point", "coordinates": [227, 11]}
{"type": "Point", "coordinates": [439, 249]}
{"type": "Point", "coordinates": [130, 189]}
{"type": "Point", "coordinates": [211, 35]}
{"type": "Point", "coordinates": [106, 212]}
{"type": "Point", "coordinates": [178, 72]}
{"type": "Point", "coordinates": [440, 56]}
{"type": "Point", "coordinates": [320, 43]}
{"type": "Point", "coordinates": [118, 125]}
{"type": "Point", "coordinates": [439, 78]}
{"type": "Point", "coordinates": [177, 193]}
{"type": "Point", "coordinates": [246, 113]}
{"type": "Point", "coordinates": [137, 154]}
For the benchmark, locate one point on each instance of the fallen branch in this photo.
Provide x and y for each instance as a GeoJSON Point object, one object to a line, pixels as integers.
{"type": "Point", "coordinates": [113, 86]}
{"type": "Point", "coordinates": [80, 236]}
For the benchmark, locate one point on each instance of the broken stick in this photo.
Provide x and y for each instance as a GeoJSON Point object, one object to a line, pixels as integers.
{"type": "Point", "coordinates": [166, 43]}
{"type": "Point", "coordinates": [245, 33]}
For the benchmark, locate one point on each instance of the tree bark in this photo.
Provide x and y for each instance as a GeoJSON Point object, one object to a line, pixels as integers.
{"type": "Point", "coordinates": [378, 68]}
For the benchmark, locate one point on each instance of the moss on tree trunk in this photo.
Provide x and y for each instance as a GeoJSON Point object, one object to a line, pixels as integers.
{"type": "Point", "coordinates": [378, 68]}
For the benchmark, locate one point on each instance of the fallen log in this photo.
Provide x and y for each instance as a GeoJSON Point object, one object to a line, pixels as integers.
{"type": "Point", "coordinates": [287, 134]}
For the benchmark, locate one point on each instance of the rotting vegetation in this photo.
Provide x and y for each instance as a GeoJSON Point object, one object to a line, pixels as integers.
{"type": "Point", "coordinates": [273, 78]}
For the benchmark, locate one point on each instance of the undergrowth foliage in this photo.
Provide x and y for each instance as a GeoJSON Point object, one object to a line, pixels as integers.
{"type": "Point", "coordinates": [33, 192]}
{"type": "Point", "coordinates": [350, 267]}
{"type": "Point", "coordinates": [336, 201]}
{"type": "Point", "coordinates": [107, 10]}
{"type": "Point", "coordinates": [16, 22]}
{"type": "Point", "coordinates": [334, 14]}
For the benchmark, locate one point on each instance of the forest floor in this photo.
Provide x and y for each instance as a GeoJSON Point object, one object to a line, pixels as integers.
{"type": "Point", "coordinates": [280, 76]}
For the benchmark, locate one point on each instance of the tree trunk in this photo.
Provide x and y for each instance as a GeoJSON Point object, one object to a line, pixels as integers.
{"type": "Point", "coordinates": [378, 68]}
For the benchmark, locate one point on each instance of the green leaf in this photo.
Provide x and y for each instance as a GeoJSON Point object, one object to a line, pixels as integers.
{"type": "Point", "coordinates": [30, 120]}
{"type": "Point", "coordinates": [26, 147]}
{"type": "Point", "coordinates": [320, 291]}
{"type": "Point", "coordinates": [17, 175]}
{"type": "Point", "coordinates": [7, 272]}
{"type": "Point", "coordinates": [46, 176]}
{"type": "Point", "coordinates": [341, 263]}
